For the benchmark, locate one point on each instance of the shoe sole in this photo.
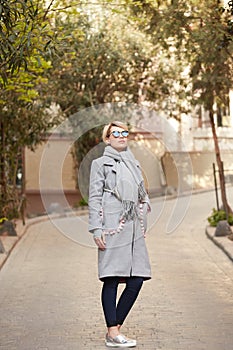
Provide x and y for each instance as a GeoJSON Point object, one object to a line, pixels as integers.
{"type": "Point", "coordinates": [112, 345]}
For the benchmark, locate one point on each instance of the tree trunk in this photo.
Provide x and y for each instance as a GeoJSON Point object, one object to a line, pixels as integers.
{"type": "Point", "coordinates": [2, 249]}
{"type": "Point", "coordinates": [3, 183]}
{"type": "Point", "coordinates": [225, 204]}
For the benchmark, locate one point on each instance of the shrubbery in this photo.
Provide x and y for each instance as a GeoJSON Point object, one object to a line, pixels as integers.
{"type": "Point", "coordinates": [218, 215]}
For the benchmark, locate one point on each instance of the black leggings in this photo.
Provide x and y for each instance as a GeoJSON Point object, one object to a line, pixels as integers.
{"type": "Point", "coordinates": [116, 314]}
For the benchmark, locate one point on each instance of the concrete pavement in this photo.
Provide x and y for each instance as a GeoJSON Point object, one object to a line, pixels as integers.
{"type": "Point", "coordinates": [224, 243]}
{"type": "Point", "coordinates": [50, 294]}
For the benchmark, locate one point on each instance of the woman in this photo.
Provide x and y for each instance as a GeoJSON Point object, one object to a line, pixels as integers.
{"type": "Point", "coordinates": [118, 205]}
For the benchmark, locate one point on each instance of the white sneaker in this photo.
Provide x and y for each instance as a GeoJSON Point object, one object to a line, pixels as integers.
{"type": "Point", "coordinates": [119, 342]}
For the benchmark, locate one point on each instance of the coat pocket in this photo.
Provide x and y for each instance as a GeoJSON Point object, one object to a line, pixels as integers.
{"type": "Point", "coordinates": [111, 216]}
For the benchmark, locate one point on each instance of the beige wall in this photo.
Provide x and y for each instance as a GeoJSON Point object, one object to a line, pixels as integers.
{"type": "Point", "coordinates": [158, 173]}
{"type": "Point", "coordinates": [147, 153]}
{"type": "Point", "coordinates": [57, 168]}
{"type": "Point", "coordinates": [59, 187]}
{"type": "Point", "coordinates": [202, 167]}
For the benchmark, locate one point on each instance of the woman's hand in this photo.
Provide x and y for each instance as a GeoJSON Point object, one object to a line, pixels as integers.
{"type": "Point", "coordinates": [100, 242]}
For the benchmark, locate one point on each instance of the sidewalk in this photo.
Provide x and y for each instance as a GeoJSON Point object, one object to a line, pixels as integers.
{"type": "Point", "coordinates": [224, 243]}
{"type": "Point", "coordinates": [9, 242]}
{"type": "Point", "coordinates": [50, 293]}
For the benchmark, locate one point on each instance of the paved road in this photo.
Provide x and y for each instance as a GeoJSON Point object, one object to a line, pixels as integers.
{"type": "Point", "coordinates": [50, 292]}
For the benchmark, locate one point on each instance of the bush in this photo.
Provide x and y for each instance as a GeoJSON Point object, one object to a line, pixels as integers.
{"type": "Point", "coordinates": [83, 202]}
{"type": "Point", "coordinates": [218, 215]}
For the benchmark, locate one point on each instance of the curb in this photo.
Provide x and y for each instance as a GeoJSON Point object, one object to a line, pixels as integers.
{"type": "Point", "coordinates": [9, 242]}
{"type": "Point", "coordinates": [224, 243]}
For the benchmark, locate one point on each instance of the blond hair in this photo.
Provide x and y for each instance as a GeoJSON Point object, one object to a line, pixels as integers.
{"type": "Point", "coordinates": [107, 129]}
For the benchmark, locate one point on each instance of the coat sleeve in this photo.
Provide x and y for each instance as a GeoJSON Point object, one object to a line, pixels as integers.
{"type": "Point", "coordinates": [96, 188]}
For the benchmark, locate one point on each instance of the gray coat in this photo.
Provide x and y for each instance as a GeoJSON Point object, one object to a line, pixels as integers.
{"type": "Point", "coordinates": [126, 253]}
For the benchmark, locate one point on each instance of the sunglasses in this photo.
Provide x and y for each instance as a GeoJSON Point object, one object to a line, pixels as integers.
{"type": "Point", "coordinates": [117, 133]}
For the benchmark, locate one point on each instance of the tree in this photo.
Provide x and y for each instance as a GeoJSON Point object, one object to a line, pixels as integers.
{"type": "Point", "coordinates": [105, 61]}
{"type": "Point", "coordinates": [200, 35]}
{"type": "Point", "coordinates": [23, 121]}
{"type": "Point", "coordinates": [24, 43]}
{"type": "Point", "coordinates": [103, 64]}
{"type": "Point", "coordinates": [212, 74]}
{"type": "Point", "coordinates": [25, 33]}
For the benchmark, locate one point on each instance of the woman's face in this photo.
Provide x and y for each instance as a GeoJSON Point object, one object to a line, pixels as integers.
{"type": "Point", "coordinates": [120, 142]}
